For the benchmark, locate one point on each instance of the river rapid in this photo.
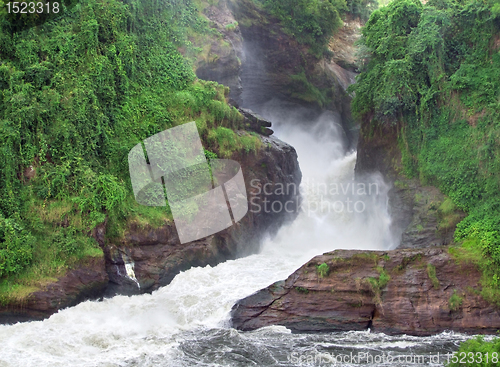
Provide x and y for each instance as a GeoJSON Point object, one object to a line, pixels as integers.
{"type": "Point", "coordinates": [187, 323]}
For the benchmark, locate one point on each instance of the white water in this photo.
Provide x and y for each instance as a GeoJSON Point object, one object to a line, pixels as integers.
{"type": "Point", "coordinates": [186, 322]}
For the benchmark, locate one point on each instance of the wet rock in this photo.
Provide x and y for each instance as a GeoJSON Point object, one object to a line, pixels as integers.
{"type": "Point", "coordinates": [276, 66]}
{"type": "Point", "coordinates": [352, 296]}
{"type": "Point", "coordinates": [256, 123]}
{"type": "Point", "coordinates": [156, 253]}
{"type": "Point", "coordinates": [88, 281]}
{"type": "Point", "coordinates": [342, 44]}
{"type": "Point", "coordinates": [222, 62]}
{"type": "Point", "coordinates": [146, 258]}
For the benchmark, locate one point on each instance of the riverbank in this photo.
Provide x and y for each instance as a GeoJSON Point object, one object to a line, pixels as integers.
{"type": "Point", "coordinates": [414, 292]}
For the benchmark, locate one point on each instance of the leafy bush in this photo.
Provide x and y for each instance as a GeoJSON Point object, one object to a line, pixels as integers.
{"type": "Point", "coordinates": [432, 72]}
{"type": "Point", "coordinates": [311, 22]}
{"type": "Point", "coordinates": [383, 279]}
{"type": "Point", "coordinates": [455, 301]}
{"type": "Point", "coordinates": [361, 8]}
{"type": "Point", "coordinates": [323, 270]}
{"type": "Point", "coordinates": [431, 272]}
{"type": "Point", "coordinates": [231, 26]}
{"type": "Point", "coordinates": [302, 290]}
{"type": "Point", "coordinates": [76, 94]}
{"type": "Point", "coordinates": [487, 352]}
{"type": "Point", "coordinates": [16, 247]}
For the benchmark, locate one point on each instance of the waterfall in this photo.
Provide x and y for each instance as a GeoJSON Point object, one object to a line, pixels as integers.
{"type": "Point", "coordinates": [129, 268]}
{"type": "Point", "coordinates": [187, 322]}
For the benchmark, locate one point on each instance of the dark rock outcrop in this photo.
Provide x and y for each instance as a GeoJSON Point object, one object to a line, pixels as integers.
{"type": "Point", "coordinates": [156, 254]}
{"type": "Point", "coordinates": [256, 123]}
{"type": "Point", "coordinates": [87, 281]}
{"type": "Point", "coordinates": [401, 291]}
{"type": "Point", "coordinates": [146, 258]}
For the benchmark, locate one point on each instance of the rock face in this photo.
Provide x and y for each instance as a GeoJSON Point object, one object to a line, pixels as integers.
{"type": "Point", "coordinates": [156, 255]}
{"type": "Point", "coordinates": [255, 122]}
{"type": "Point", "coordinates": [417, 217]}
{"type": "Point", "coordinates": [416, 292]}
{"type": "Point", "coordinates": [223, 61]}
{"type": "Point", "coordinates": [88, 281]}
{"type": "Point", "coordinates": [146, 258]}
{"type": "Point", "coordinates": [342, 44]}
{"type": "Point", "coordinates": [276, 66]}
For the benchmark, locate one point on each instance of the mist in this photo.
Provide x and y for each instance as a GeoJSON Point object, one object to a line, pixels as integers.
{"type": "Point", "coordinates": [337, 210]}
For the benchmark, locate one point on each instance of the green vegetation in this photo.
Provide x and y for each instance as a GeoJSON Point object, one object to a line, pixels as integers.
{"type": "Point", "coordinates": [311, 22]}
{"type": "Point", "coordinates": [486, 352]}
{"type": "Point", "coordinates": [455, 301]}
{"type": "Point", "coordinates": [448, 215]}
{"type": "Point", "coordinates": [323, 270]}
{"type": "Point", "coordinates": [363, 8]}
{"type": "Point", "coordinates": [431, 272]}
{"type": "Point", "coordinates": [377, 284]}
{"type": "Point", "coordinates": [407, 261]}
{"type": "Point", "coordinates": [302, 290]}
{"type": "Point", "coordinates": [45, 10]}
{"type": "Point", "coordinates": [226, 141]}
{"type": "Point", "coordinates": [400, 184]}
{"type": "Point", "coordinates": [383, 278]}
{"type": "Point", "coordinates": [367, 256]}
{"type": "Point", "coordinates": [231, 26]}
{"type": "Point", "coordinates": [76, 94]}
{"type": "Point", "coordinates": [433, 75]}
{"type": "Point", "coordinates": [471, 253]}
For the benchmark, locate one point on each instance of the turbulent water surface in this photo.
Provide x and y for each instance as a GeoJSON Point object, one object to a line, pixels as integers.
{"type": "Point", "coordinates": [187, 322]}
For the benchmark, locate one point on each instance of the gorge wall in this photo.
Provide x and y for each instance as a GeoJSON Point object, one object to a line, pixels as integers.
{"type": "Point", "coordinates": [407, 291]}
{"type": "Point", "coordinates": [155, 254]}
{"type": "Point", "coordinates": [424, 287]}
{"type": "Point", "coordinates": [145, 257]}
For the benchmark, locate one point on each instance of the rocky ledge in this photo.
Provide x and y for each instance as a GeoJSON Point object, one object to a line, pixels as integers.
{"type": "Point", "coordinates": [146, 258]}
{"type": "Point", "coordinates": [156, 255]}
{"type": "Point", "coordinates": [416, 292]}
{"type": "Point", "coordinates": [87, 281]}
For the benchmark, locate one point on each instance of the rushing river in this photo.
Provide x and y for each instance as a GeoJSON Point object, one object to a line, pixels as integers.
{"type": "Point", "coordinates": [187, 322]}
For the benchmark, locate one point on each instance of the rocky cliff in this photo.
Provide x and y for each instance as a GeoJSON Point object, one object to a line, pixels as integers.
{"type": "Point", "coordinates": [422, 288]}
{"type": "Point", "coordinates": [254, 51]}
{"type": "Point", "coordinates": [223, 60]}
{"type": "Point", "coordinates": [419, 218]}
{"type": "Point", "coordinates": [146, 258]}
{"type": "Point", "coordinates": [416, 292]}
{"type": "Point", "coordinates": [155, 253]}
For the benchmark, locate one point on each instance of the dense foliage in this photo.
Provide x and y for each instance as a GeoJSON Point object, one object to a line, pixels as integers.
{"type": "Point", "coordinates": [312, 22]}
{"type": "Point", "coordinates": [76, 94]}
{"type": "Point", "coordinates": [434, 74]}
{"type": "Point", "coordinates": [478, 353]}
{"type": "Point", "coordinates": [361, 8]}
